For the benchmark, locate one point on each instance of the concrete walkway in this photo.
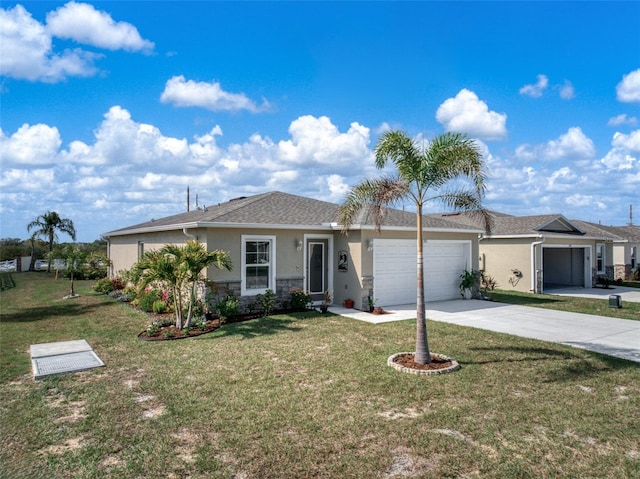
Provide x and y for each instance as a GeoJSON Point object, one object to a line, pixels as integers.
{"type": "Point", "coordinates": [611, 336]}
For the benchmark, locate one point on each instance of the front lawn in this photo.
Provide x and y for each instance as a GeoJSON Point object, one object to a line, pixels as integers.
{"type": "Point", "coordinates": [302, 396]}
{"type": "Point", "coordinates": [599, 307]}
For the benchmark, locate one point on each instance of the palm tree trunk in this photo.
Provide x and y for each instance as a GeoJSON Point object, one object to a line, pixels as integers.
{"type": "Point", "coordinates": [177, 304]}
{"type": "Point", "coordinates": [51, 238]}
{"type": "Point", "coordinates": [423, 355]}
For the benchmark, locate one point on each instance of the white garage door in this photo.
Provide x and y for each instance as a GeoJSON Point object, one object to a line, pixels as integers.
{"type": "Point", "coordinates": [394, 270]}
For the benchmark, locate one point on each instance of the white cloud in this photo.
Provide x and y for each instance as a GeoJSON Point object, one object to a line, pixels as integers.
{"type": "Point", "coordinates": [573, 144]}
{"type": "Point", "coordinates": [27, 51]}
{"type": "Point", "coordinates": [536, 90]}
{"type": "Point", "coordinates": [84, 24]}
{"type": "Point", "coordinates": [628, 90]}
{"type": "Point", "coordinates": [468, 114]}
{"type": "Point", "coordinates": [30, 145]}
{"type": "Point", "coordinates": [622, 119]}
{"type": "Point", "coordinates": [623, 153]}
{"type": "Point", "coordinates": [27, 44]}
{"type": "Point", "coordinates": [131, 171]}
{"type": "Point", "coordinates": [318, 141]}
{"type": "Point", "coordinates": [567, 92]}
{"type": "Point", "coordinates": [28, 180]}
{"type": "Point", "coordinates": [181, 92]}
{"type": "Point", "coordinates": [629, 142]}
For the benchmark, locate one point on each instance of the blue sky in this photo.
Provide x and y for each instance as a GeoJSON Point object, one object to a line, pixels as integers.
{"type": "Point", "coordinates": [111, 109]}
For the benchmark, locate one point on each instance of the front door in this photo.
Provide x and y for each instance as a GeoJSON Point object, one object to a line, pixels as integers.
{"type": "Point", "coordinates": [317, 269]}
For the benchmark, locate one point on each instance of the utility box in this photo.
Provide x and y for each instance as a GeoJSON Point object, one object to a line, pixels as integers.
{"type": "Point", "coordinates": [615, 301]}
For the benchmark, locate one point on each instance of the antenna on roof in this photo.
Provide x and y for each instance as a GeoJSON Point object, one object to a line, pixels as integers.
{"type": "Point", "coordinates": [630, 215]}
{"type": "Point", "coordinates": [188, 200]}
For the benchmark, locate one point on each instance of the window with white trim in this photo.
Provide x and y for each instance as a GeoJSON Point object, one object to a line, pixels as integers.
{"type": "Point", "coordinates": [258, 264]}
{"type": "Point", "coordinates": [634, 257]}
{"type": "Point", "coordinates": [600, 258]}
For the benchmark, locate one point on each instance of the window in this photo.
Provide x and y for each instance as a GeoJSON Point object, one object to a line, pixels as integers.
{"type": "Point", "coordinates": [634, 257]}
{"type": "Point", "coordinates": [140, 250]}
{"type": "Point", "coordinates": [258, 264]}
{"type": "Point", "coordinates": [600, 257]}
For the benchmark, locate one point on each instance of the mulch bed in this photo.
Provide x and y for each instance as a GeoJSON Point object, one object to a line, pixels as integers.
{"type": "Point", "coordinates": [437, 362]}
{"type": "Point", "coordinates": [171, 332]}
{"type": "Point", "coordinates": [168, 333]}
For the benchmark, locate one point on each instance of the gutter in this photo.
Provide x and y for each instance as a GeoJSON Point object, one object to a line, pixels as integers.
{"type": "Point", "coordinates": [534, 272]}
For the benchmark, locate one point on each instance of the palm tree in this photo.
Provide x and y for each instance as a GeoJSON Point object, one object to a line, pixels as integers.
{"type": "Point", "coordinates": [179, 267]}
{"type": "Point", "coordinates": [449, 170]}
{"type": "Point", "coordinates": [46, 226]}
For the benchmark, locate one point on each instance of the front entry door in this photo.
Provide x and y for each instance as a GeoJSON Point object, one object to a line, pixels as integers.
{"type": "Point", "coordinates": [317, 269]}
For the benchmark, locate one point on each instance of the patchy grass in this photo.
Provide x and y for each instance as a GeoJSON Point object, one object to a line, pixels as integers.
{"type": "Point", "coordinates": [599, 307]}
{"type": "Point", "coordinates": [304, 395]}
{"type": "Point", "coordinates": [631, 284]}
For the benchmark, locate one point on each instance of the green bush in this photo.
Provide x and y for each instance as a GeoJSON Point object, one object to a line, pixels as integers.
{"type": "Point", "coordinates": [159, 306]}
{"type": "Point", "coordinates": [228, 307]}
{"type": "Point", "coordinates": [300, 299]}
{"type": "Point", "coordinates": [145, 302]}
{"type": "Point", "coordinates": [104, 286]}
{"type": "Point", "coordinates": [267, 302]}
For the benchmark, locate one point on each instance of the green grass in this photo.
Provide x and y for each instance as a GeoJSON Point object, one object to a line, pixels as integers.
{"type": "Point", "coordinates": [302, 396]}
{"type": "Point", "coordinates": [599, 307]}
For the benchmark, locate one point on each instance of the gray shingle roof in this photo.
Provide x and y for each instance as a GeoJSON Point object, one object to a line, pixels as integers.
{"type": "Point", "coordinates": [281, 209]}
{"type": "Point", "coordinates": [623, 233]}
{"type": "Point", "coordinates": [507, 225]}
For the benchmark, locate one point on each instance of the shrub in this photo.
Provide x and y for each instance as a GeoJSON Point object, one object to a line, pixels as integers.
{"type": "Point", "coordinates": [228, 307]}
{"type": "Point", "coordinates": [299, 299]}
{"type": "Point", "coordinates": [267, 302]}
{"type": "Point", "coordinates": [145, 302]}
{"type": "Point", "coordinates": [159, 306]}
{"type": "Point", "coordinates": [635, 276]}
{"type": "Point", "coordinates": [104, 286]}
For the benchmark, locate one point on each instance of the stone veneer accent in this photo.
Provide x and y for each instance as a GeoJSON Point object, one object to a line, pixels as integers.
{"type": "Point", "coordinates": [283, 287]}
{"type": "Point", "coordinates": [622, 271]}
{"type": "Point", "coordinates": [367, 290]}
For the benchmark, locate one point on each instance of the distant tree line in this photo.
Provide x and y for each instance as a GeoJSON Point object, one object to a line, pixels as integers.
{"type": "Point", "coordinates": [10, 248]}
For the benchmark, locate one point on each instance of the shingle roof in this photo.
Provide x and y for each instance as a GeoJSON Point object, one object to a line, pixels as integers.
{"type": "Point", "coordinates": [281, 209]}
{"type": "Point", "coordinates": [556, 224]}
{"type": "Point", "coordinates": [623, 233]}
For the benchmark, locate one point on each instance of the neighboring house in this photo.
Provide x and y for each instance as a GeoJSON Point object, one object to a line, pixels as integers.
{"type": "Point", "coordinates": [543, 252]}
{"type": "Point", "coordinates": [625, 249]}
{"type": "Point", "coordinates": [280, 242]}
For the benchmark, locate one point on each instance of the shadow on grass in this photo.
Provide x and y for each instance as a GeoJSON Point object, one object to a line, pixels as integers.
{"type": "Point", "coordinates": [511, 354]}
{"type": "Point", "coordinates": [254, 328]}
{"type": "Point", "coordinates": [524, 300]}
{"type": "Point", "coordinates": [56, 310]}
{"type": "Point", "coordinates": [563, 365]}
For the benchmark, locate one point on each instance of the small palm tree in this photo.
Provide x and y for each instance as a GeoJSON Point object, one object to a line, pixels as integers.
{"type": "Point", "coordinates": [179, 267]}
{"type": "Point", "coordinates": [435, 172]}
{"type": "Point", "coordinates": [46, 225]}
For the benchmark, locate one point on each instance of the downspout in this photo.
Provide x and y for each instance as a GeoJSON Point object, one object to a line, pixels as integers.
{"type": "Point", "coordinates": [189, 235]}
{"type": "Point", "coordinates": [534, 272]}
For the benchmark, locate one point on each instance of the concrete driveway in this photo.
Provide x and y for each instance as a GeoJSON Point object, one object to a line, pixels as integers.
{"type": "Point", "coordinates": [626, 294]}
{"type": "Point", "coordinates": [611, 336]}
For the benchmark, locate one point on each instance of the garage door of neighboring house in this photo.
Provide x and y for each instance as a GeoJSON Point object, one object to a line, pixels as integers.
{"type": "Point", "coordinates": [394, 270]}
{"type": "Point", "coordinates": [563, 267]}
